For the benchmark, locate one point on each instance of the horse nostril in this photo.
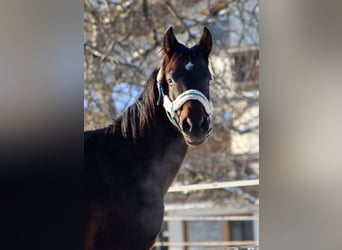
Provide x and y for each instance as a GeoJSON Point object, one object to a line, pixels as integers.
{"type": "Point", "coordinates": [205, 124]}
{"type": "Point", "coordinates": [187, 125]}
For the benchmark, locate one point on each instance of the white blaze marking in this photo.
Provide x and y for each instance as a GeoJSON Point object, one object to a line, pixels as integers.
{"type": "Point", "coordinates": [189, 66]}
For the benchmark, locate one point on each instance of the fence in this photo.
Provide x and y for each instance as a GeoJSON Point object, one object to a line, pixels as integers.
{"type": "Point", "coordinates": [213, 245]}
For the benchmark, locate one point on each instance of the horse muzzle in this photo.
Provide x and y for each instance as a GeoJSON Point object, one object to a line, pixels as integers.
{"type": "Point", "coordinates": [194, 123]}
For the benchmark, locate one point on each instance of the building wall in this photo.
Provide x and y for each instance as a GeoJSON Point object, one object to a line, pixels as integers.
{"type": "Point", "coordinates": [175, 233]}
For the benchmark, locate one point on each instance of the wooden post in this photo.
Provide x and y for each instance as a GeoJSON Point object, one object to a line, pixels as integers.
{"type": "Point", "coordinates": [185, 233]}
{"type": "Point", "coordinates": [226, 231]}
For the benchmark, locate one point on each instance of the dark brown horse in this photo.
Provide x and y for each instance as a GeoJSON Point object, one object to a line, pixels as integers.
{"type": "Point", "coordinates": [131, 164]}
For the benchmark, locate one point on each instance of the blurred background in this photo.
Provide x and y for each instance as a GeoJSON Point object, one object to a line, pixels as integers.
{"type": "Point", "coordinates": [122, 41]}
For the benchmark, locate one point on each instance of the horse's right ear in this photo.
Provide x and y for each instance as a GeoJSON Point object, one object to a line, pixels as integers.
{"type": "Point", "coordinates": [170, 43]}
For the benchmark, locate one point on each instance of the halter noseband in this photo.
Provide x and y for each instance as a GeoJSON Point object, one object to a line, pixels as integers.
{"type": "Point", "coordinates": [171, 107]}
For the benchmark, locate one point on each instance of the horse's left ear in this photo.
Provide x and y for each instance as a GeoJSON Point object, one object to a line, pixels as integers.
{"type": "Point", "coordinates": [206, 42]}
{"type": "Point", "coordinates": [170, 43]}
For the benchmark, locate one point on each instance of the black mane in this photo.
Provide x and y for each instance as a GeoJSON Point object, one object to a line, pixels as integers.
{"type": "Point", "coordinates": [139, 116]}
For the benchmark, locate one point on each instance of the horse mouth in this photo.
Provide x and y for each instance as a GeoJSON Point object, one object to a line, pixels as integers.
{"type": "Point", "coordinates": [195, 138]}
{"type": "Point", "coordinates": [194, 143]}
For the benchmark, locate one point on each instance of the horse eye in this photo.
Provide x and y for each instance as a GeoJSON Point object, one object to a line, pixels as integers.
{"type": "Point", "coordinates": [169, 81]}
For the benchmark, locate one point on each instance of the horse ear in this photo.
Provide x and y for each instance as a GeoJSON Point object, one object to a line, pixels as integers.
{"type": "Point", "coordinates": [170, 43]}
{"type": "Point", "coordinates": [206, 42]}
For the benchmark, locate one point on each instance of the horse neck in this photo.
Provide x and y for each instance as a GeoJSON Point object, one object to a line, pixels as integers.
{"type": "Point", "coordinates": [166, 150]}
{"type": "Point", "coordinates": [161, 143]}
{"type": "Point", "coordinates": [169, 157]}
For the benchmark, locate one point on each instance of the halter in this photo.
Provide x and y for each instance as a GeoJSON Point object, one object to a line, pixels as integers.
{"type": "Point", "coordinates": [172, 107]}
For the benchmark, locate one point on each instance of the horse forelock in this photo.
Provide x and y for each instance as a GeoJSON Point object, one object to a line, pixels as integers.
{"type": "Point", "coordinates": [184, 56]}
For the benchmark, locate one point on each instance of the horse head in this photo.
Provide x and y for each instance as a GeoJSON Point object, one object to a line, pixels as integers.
{"type": "Point", "coordinates": [183, 83]}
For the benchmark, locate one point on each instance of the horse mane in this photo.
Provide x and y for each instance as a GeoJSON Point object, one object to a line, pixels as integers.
{"type": "Point", "coordinates": [139, 116]}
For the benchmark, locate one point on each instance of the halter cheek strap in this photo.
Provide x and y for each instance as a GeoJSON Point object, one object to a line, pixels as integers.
{"type": "Point", "coordinates": [171, 107]}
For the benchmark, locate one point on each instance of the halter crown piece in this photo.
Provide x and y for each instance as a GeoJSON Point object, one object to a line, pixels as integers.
{"type": "Point", "coordinates": [171, 107]}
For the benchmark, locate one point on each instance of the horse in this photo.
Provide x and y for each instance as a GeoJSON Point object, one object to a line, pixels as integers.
{"type": "Point", "coordinates": [130, 164]}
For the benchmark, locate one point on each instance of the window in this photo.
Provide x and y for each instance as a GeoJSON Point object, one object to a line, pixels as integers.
{"type": "Point", "coordinates": [219, 231]}
{"type": "Point", "coordinates": [241, 230]}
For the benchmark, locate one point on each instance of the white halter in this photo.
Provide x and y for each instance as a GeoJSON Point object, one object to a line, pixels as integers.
{"type": "Point", "coordinates": [171, 107]}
